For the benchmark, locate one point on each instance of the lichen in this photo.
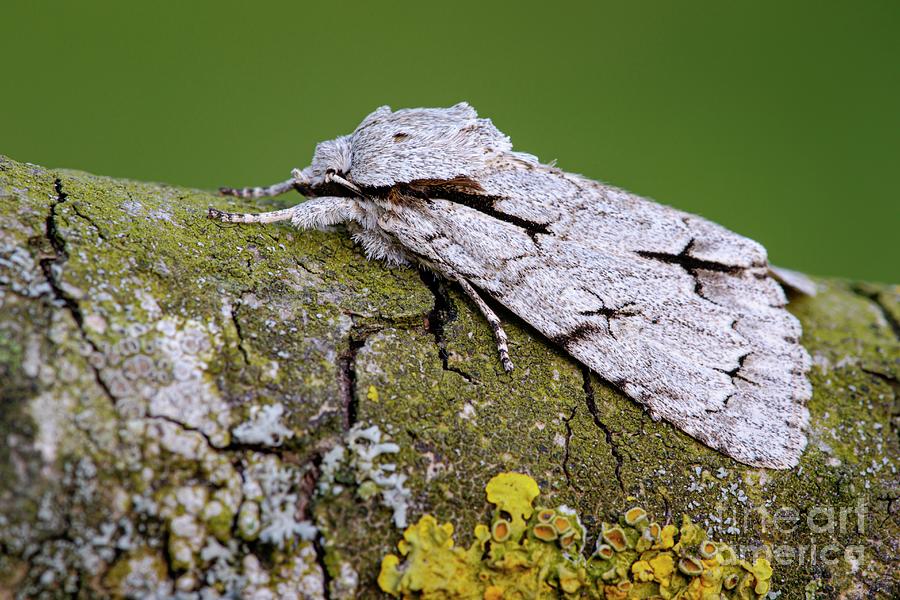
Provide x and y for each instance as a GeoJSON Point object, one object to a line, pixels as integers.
{"type": "Point", "coordinates": [264, 427]}
{"type": "Point", "coordinates": [530, 552]}
{"type": "Point", "coordinates": [360, 456]}
{"type": "Point", "coordinates": [273, 487]}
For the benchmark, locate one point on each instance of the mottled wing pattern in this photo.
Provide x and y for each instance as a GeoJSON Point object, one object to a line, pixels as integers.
{"type": "Point", "coordinates": [678, 312]}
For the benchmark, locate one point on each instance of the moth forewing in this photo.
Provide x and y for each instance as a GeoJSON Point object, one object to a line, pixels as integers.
{"type": "Point", "coordinates": [679, 313]}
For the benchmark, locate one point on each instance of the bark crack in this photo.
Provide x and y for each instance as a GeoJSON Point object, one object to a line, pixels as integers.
{"type": "Point", "coordinates": [894, 385]}
{"type": "Point", "coordinates": [321, 561]}
{"type": "Point", "coordinates": [443, 312]}
{"type": "Point", "coordinates": [89, 220]}
{"type": "Point", "coordinates": [185, 427]}
{"type": "Point", "coordinates": [305, 508]}
{"type": "Point", "coordinates": [592, 408]}
{"type": "Point", "coordinates": [879, 304]}
{"type": "Point", "coordinates": [240, 334]}
{"type": "Point", "coordinates": [347, 374]}
{"type": "Point", "coordinates": [565, 464]}
{"type": "Point", "coordinates": [52, 268]}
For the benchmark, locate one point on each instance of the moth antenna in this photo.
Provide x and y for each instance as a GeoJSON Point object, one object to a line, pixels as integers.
{"type": "Point", "coordinates": [259, 192]}
{"type": "Point", "coordinates": [266, 217]}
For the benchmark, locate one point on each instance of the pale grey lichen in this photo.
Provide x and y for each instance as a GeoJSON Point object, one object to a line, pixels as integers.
{"type": "Point", "coordinates": [20, 273]}
{"type": "Point", "coordinates": [264, 427]}
{"type": "Point", "coordinates": [273, 486]}
{"type": "Point", "coordinates": [145, 576]}
{"type": "Point", "coordinates": [360, 453]}
{"type": "Point", "coordinates": [186, 349]}
{"type": "Point", "coordinates": [346, 583]}
{"type": "Point", "coordinates": [48, 411]}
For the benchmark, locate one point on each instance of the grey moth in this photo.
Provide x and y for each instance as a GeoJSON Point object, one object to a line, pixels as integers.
{"type": "Point", "coordinates": [679, 313]}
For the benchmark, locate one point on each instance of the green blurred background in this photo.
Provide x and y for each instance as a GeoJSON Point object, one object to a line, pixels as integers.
{"type": "Point", "coordinates": [780, 120]}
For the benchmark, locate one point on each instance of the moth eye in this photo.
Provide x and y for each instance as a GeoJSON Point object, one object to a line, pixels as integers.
{"type": "Point", "coordinates": [401, 137]}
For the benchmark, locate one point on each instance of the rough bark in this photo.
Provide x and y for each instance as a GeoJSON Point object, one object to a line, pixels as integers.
{"type": "Point", "coordinates": [139, 343]}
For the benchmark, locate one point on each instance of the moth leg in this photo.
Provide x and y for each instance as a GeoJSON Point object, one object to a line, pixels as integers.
{"type": "Point", "coordinates": [492, 319]}
{"type": "Point", "coordinates": [260, 192]}
{"type": "Point", "coordinates": [266, 217]}
{"type": "Point", "coordinates": [318, 212]}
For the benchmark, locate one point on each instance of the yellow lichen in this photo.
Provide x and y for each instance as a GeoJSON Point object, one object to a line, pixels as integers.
{"type": "Point", "coordinates": [634, 515]}
{"type": "Point", "coordinates": [605, 551]}
{"type": "Point", "coordinates": [663, 567]}
{"type": "Point", "coordinates": [642, 571]}
{"type": "Point", "coordinates": [545, 532]}
{"type": "Point", "coordinates": [657, 568]}
{"type": "Point", "coordinates": [372, 394]}
{"type": "Point", "coordinates": [762, 573]}
{"type": "Point", "coordinates": [690, 566]}
{"type": "Point", "coordinates": [500, 530]}
{"type": "Point", "coordinates": [432, 563]}
{"type": "Point", "coordinates": [667, 537]}
{"type": "Point", "coordinates": [707, 549]}
{"type": "Point", "coordinates": [513, 493]}
{"type": "Point", "coordinates": [561, 524]}
{"type": "Point", "coordinates": [731, 581]}
{"type": "Point", "coordinates": [536, 553]}
{"type": "Point", "coordinates": [652, 532]}
{"type": "Point", "coordinates": [545, 515]}
{"type": "Point", "coordinates": [569, 580]}
{"type": "Point", "coordinates": [615, 537]}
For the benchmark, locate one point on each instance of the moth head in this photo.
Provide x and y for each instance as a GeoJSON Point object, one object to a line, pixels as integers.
{"type": "Point", "coordinates": [331, 157]}
{"type": "Point", "coordinates": [403, 146]}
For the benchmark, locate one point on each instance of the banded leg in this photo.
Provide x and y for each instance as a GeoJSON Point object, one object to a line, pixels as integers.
{"type": "Point", "coordinates": [266, 217]}
{"type": "Point", "coordinates": [318, 212]}
{"type": "Point", "coordinates": [260, 192]}
{"type": "Point", "coordinates": [492, 319]}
